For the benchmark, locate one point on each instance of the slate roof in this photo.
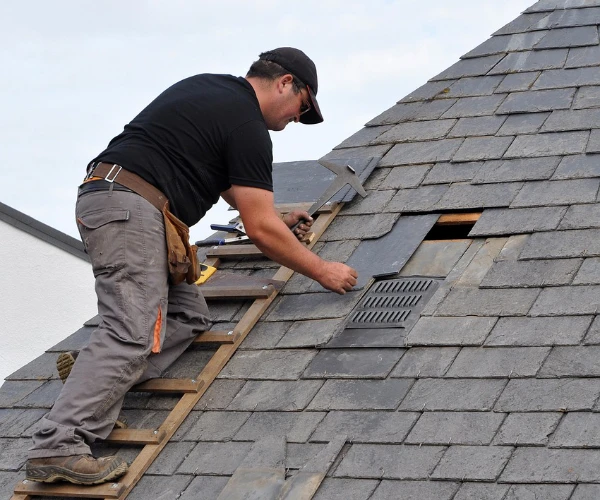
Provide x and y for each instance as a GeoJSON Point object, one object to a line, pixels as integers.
{"type": "Point", "coordinates": [494, 392]}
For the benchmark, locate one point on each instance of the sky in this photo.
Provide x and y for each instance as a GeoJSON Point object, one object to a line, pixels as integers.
{"type": "Point", "coordinates": [74, 72]}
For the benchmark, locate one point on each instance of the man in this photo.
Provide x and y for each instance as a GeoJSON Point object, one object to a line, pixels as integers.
{"type": "Point", "coordinates": [204, 137]}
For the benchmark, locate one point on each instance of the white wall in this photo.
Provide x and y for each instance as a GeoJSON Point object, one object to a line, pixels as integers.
{"type": "Point", "coordinates": [46, 294]}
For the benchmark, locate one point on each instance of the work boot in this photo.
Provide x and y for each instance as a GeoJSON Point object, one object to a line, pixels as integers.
{"type": "Point", "coordinates": [64, 364]}
{"type": "Point", "coordinates": [77, 469]}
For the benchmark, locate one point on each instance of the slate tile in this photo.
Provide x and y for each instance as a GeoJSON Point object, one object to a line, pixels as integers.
{"type": "Point", "coordinates": [556, 244]}
{"type": "Point", "coordinates": [376, 201]}
{"type": "Point", "coordinates": [523, 123]}
{"type": "Point", "coordinates": [310, 333]}
{"type": "Point", "coordinates": [389, 461]}
{"type": "Point", "coordinates": [314, 306]}
{"type": "Point", "coordinates": [577, 430]}
{"type": "Point", "coordinates": [581, 217]}
{"type": "Point", "coordinates": [576, 361]}
{"type": "Point", "coordinates": [560, 143]}
{"type": "Point", "coordinates": [570, 37]}
{"type": "Point", "coordinates": [413, 153]}
{"type": "Point", "coordinates": [594, 142]}
{"type": "Point", "coordinates": [216, 426]}
{"type": "Point", "coordinates": [482, 148]}
{"type": "Point", "coordinates": [346, 489]}
{"type": "Point", "coordinates": [527, 429]}
{"type": "Point", "coordinates": [562, 78]}
{"type": "Point", "coordinates": [588, 97]}
{"type": "Point", "coordinates": [429, 91]}
{"type": "Point", "coordinates": [515, 82]}
{"type": "Point", "coordinates": [545, 491]}
{"type": "Point", "coordinates": [13, 453]}
{"type": "Point", "coordinates": [43, 397]}
{"type": "Point", "coordinates": [580, 57]}
{"type": "Point", "coordinates": [569, 17]}
{"type": "Point", "coordinates": [513, 247]}
{"type": "Point", "coordinates": [300, 454]}
{"type": "Point", "coordinates": [537, 101]}
{"type": "Point", "coordinates": [41, 368]}
{"type": "Point", "coordinates": [519, 62]}
{"type": "Point", "coordinates": [368, 337]}
{"type": "Point", "coordinates": [275, 396]}
{"type": "Point", "coordinates": [453, 395]}
{"type": "Point", "coordinates": [586, 492]}
{"type": "Point", "coordinates": [189, 364]}
{"type": "Point", "coordinates": [353, 363]}
{"type": "Point", "coordinates": [416, 131]}
{"type": "Point", "coordinates": [265, 335]}
{"type": "Point", "coordinates": [296, 427]}
{"type": "Point", "coordinates": [74, 342]}
{"type": "Point", "coordinates": [486, 302]}
{"type": "Point", "coordinates": [220, 393]}
{"type": "Point", "coordinates": [13, 391]}
{"type": "Point", "coordinates": [215, 458]}
{"type": "Point", "coordinates": [474, 463]}
{"type": "Point", "coordinates": [540, 465]}
{"type": "Point", "coordinates": [473, 274]}
{"type": "Point", "coordinates": [505, 221]}
{"type": "Point", "coordinates": [461, 196]}
{"type": "Point", "coordinates": [268, 365]}
{"type": "Point", "coordinates": [531, 273]}
{"type": "Point", "coordinates": [457, 331]}
{"type": "Point", "coordinates": [375, 179]}
{"type": "Point", "coordinates": [223, 310]}
{"type": "Point", "coordinates": [579, 119]}
{"type": "Point", "coordinates": [469, 67]}
{"type": "Point", "coordinates": [363, 137]}
{"type": "Point", "coordinates": [205, 488]}
{"type": "Point", "coordinates": [421, 199]}
{"type": "Point", "coordinates": [170, 458]}
{"type": "Point", "coordinates": [483, 362]}
{"type": "Point", "coordinates": [415, 490]}
{"type": "Point", "coordinates": [543, 331]}
{"type": "Point", "coordinates": [475, 106]}
{"type": "Point", "coordinates": [516, 170]}
{"type": "Point", "coordinates": [159, 487]}
{"type": "Point", "coordinates": [589, 272]}
{"type": "Point", "coordinates": [16, 422]}
{"type": "Point", "coordinates": [360, 394]}
{"type": "Point", "coordinates": [530, 395]}
{"type": "Point", "coordinates": [404, 178]}
{"type": "Point", "coordinates": [425, 362]}
{"type": "Point", "coordinates": [522, 23]}
{"type": "Point", "coordinates": [566, 300]}
{"type": "Point", "coordinates": [477, 126]}
{"type": "Point", "coordinates": [366, 427]}
{"type": "Point", "coordinates": [8, 481]}
{"type": "Point", "coordinates": [578, 166]}
{"type": "Point", "coordinates": [359, 227]}
{"type": "Point", "coordinates": [567, 192]}
{"type": "Point", "coordinates": [404, 112]}
{"type": "Point", "coordinates": [481, 491]}
{"type": "Point", "coordinates": [445, 173]}
{"type": "Point", "coordinates": [464, 428]}
{"type": "Point", "coordinates": [507, 43]}
{"type": "Point", "coordinates": [472, 87]}
{"type": "Point", "coordinates": [435, 258]}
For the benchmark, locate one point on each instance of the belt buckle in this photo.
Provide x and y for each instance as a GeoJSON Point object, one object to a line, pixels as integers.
{"type": "Point", "coordinates": [110, 172]}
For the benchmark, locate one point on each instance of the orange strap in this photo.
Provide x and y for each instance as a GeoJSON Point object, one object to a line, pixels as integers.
{"type": "Point", "coordinates": [157, 328]}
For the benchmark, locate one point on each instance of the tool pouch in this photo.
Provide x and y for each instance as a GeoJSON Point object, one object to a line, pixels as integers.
{"type": "Point", "coordinates": [182, 257]}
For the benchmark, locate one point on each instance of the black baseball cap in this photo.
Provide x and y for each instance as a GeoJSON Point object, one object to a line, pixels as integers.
{"type": "Point", "coordinates": [301, 66]}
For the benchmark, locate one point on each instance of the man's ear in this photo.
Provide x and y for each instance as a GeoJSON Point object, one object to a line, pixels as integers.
{"type": "Point", "coordinates": [284, 81]}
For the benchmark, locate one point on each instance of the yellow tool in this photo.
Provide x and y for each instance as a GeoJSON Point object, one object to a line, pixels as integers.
{"type": "Point", "coordinates": [205, 273]}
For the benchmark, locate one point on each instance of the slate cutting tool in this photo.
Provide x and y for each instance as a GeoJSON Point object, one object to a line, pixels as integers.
{"type": "Point", "coordinates": [345, 174]}
{"type": "Point", "coordinates": [237, 229]}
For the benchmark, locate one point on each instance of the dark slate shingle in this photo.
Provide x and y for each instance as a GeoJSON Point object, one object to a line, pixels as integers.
{"type": "Point", "coordinates": [501, 221]}
{"type": "Point", "coordinates": [520, 62]}
{"type": "Point", "coordinates": [536, 101]}
{"type": "Point", "coordinates": [563, 330]}
{"type": "Point", "coordinates": [569, 37]}
{"type": "Point", "coordinates": [527, 429]}
{"type": "Point", "coordinates": [507, 43]}
{"type": "Point", "coordinates": [470, 67]}
{"type": "Point", "coordinates": [475, 463]}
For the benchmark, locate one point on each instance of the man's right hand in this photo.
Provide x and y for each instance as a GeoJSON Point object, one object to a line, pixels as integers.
{"type": "Point", "coordinates": [337, 277]}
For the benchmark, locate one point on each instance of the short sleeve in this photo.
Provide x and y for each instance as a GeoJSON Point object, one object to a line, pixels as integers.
{"type": "Point", "coordinates": [250, 156]}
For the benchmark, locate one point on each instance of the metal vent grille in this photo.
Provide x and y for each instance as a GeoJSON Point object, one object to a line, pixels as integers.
{"type": "Point", "coordinates": [394, 303]}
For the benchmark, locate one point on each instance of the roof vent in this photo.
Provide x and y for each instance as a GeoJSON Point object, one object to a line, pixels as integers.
{"type": "Point", "coordinates": [393, 303]}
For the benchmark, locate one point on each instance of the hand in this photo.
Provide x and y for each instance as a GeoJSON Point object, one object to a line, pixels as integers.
{"type": "Point", "coordinates": [296, 216]}
{"type": "Point", "coordinates": [337, 277]}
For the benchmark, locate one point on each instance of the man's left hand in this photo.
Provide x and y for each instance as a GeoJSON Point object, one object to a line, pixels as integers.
{"type": "Point", "coordinates": [296, 216]}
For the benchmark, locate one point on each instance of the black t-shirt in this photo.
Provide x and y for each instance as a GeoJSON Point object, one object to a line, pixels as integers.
{"type": "Point", "coordinates": [195, 140]}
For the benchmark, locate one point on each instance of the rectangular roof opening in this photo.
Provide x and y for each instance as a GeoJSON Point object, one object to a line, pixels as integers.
{"type": "Point", "coordinates": [453, 226]}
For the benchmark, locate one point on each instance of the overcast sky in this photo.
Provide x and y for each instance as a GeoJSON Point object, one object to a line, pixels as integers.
{"type": "Point", "coordinates": [75, 71]}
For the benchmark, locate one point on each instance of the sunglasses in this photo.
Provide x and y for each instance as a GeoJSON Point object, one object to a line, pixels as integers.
{"type": "Point", "coordinates": [305, 107]}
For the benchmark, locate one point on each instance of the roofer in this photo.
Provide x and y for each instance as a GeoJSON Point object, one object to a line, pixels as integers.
{"type": "Point", "coordinates": [204, 137]}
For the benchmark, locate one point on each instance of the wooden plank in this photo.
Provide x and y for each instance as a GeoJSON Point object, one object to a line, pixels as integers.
{"type": "Point", "coordinates": [106, 490]}
{"type": "Point", "coordinates": [171, 385]}
{"type": "Point", "coordinates": [135, 436]}
{"type": "Point", "coordinates": [458, 219]}
{"type": "Point", "coordinates": [234, 251]}
{"type": "Point", "coordinates": [216, 337]}
{"type": "Point", "coordinates": [236, 292]}
{"type": "Point", "coordinates": [285, 208]}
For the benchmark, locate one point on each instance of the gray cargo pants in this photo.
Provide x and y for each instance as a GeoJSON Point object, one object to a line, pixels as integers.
{"type": "Point", "coordinates": [145, 323]}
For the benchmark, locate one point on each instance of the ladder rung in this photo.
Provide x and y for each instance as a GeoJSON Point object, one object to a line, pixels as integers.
{"type": "Point", "coordinates": [216, 337]}
{"type": "Point", "coordinates": [234, 251]}
{"type": "Point", "coordinates": [136, 436]}
{"type": "Point", "coordinates": [176, 385]}
{"type": "Point", "coordinates": [107, 490]}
